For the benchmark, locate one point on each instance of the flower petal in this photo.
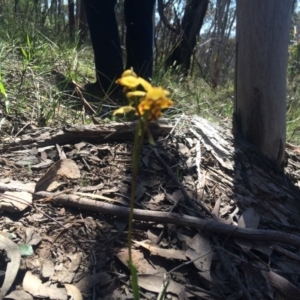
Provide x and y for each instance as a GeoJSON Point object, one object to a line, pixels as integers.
{"type": "Point", "coordinates": [123, 110]}
{"type": "Point", "coordinates": [167, 93]}
{"type": "Point", "coordinates": [165, 103]}
{"type": "Point", "coordinates": [128, 81]}
{"type": "Point", "coordinates": [136, 93]}
{"type": "Point", "coordinates": [146, 103]}
{"type": "Point", "coordinates": [145, 84]}
{"type": "Point", "coordinates": [128, 72]}
{"type": "Point", "coordinates": [156, 93]}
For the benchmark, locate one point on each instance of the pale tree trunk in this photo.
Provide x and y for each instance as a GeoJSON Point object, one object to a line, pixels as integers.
{"type": "Point", "coordinates": [260, 77]}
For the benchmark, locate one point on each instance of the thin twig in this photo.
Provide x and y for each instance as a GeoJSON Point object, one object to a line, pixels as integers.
{"type": "Point", "coordinates": [189, 262]}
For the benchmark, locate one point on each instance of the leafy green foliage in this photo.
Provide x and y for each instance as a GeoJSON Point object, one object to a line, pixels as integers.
{"type": "Point", "coordinates": [294, 61]}
{"type": "Point", "coordinates": [293, 94]}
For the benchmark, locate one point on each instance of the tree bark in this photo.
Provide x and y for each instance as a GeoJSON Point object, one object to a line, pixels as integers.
{"type": "Point", "coordinates": [16, 6]}
{"type": "Point", "coordinates": [191, 24]}
{"type": "Point", "coordinates": [83, 27]}
{"type": "Point", "coordinates": [260, 77]}
{"type": "Point", "coordinates": [223, 22]}
{"type": "Point", "coordinates": [71, 7]}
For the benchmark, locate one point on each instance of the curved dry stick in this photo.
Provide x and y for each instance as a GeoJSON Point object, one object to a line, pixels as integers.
{"type": "Point", "coordinates": [261, 235]}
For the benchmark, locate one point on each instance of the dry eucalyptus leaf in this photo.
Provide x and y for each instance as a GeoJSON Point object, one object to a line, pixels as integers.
{"type": "Point", "coordinates": [63, 275]}
{"type": "Point", "coordinates": [200, 248]}
{"type": "Point", "coordinates": [33, 285]}
{"type": "Point", "coordinates": [140, 191]}
{"type": "Point", "coordinates": [142, 265]}
{"type": "Point", "coordinates": [19, 294]}
{"type": "Point", "coordinates": [216, 209]}
{"type": "Point", "coordinates": [152, 237]}
{"type": "Point", "coordinates": [184, 238]}
{"type": "Point", "coordinates": [120, 225]}
{"type": "Point", "coordinates": [80, 145]}
{"type": "Point", "coordinates": [15, 201]}
{"type": "Point", "coordinates": [10, 184]}
{"type": "Point", "coordinates": [32, 236]}
{"type": "Point", "coordinates": [73, 292]}
{"type": "Point", "coordinates": [182, 295]}
{"type": "Point", "coordinates": [13, 253]}
{"type": "Point", "coordinates": [262, 248]}
{"type": "Point", "coordinates": [64, 168]}
{"type": "Point", "coordinates": [183, 149]}
{"type": "Point", "coordinates": [286, 289]}
{"type": "Point", "coordinates": [167, 253]}
{"type": "Point", "coordinates": [75, 260]}
{"type": "Point", "coordinates": [27, 161]}
{"type": "Point", "coordinates": [158, 198]}
{"type": "Point", "coordinates": [201, 262]}
{"type": "Point", "coordinates": [154, 283]}
{"type": "Point", "coordinates": [248, 219]}
{"type": "Point", "coordinates": [88, 282]}
{"type": "Point", "coordinates": [55, 185]}
{"type": "Point", "coordinates": [176, 196]}
{"type": "Point", "coordinates": [47, 269]}
{"type": "Point", "coordinates": [225, 210]}
{"type": "Point", "coordinates": [46, 163]}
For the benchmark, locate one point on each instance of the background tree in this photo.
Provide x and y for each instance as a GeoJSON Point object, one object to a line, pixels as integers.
{"type": "Point", "coordinates": [81, 21]}
{"type": "Point", "coordinates": [71, 9]}
{"type": "Point", "coordinates": [188, 30]}
{"type": "Point", "coordinates": [263, 30]}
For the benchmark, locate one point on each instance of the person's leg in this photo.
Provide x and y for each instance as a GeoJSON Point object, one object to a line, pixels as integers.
{"type": "Point", "coordinates": [139, 36]}
{"type": "Point", "coordinates": [105, 39]}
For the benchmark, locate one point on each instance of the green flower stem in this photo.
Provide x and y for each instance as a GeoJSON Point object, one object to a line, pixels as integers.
{"type": "Point", "coordinates": [137, 146]}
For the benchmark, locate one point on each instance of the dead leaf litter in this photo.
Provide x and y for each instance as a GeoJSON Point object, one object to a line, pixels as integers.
{"type": "Point", "coordinates": [214, 219]}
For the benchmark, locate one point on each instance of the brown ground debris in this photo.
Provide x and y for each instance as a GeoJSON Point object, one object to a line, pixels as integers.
{"type": "Point", "coordinates": [214, 218]}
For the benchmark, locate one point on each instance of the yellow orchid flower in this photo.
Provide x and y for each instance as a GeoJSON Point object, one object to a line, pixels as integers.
{"type": "Point", "coordinates": [155, 100]}
{"type": "Point", "coordinates": [152, 100]}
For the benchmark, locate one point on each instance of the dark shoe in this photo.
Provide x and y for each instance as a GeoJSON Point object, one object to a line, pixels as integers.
{"type": "Point", "coordinates": [92, 87]}
{"type": "Point", "coordinates": [94, 93]}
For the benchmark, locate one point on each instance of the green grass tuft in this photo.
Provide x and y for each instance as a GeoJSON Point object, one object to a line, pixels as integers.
{"type": "Point", "coordinates": [36, 70]}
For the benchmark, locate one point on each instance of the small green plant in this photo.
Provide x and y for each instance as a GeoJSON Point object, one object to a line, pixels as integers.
{"type": "Point", "coordinates": [147, 105]}
{"type": "Point", "coordinates": [2, 87]}
{"type": "Point", "coordinates": [27, 51]}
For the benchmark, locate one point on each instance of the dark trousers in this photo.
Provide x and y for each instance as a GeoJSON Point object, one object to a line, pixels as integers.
{"type": "Point", "coordinates": [106, 42]}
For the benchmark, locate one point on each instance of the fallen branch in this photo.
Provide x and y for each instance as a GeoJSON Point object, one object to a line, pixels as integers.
{"type": "Point", "coordinates": [261, 235]}
{"type": "Point", "coordinates": [103, 133]}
